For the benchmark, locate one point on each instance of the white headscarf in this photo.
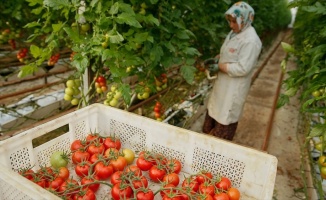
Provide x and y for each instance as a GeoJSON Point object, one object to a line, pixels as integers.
{"type": "Point", "coordinates": [243, 13]}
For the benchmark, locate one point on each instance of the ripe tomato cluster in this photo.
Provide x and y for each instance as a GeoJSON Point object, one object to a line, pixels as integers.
{"type": "Point", "coordinates": [72, 91]}
{"type": "Point", "coordinates": [22, 54]}
{"type": "Point", "coordinates": [113, 97]}
{"type": "Point", "coordinates": [54, 59]}
{"type": "Point", "coordinates": [158, 111]}
{"type": "Point", "coordinates": [100, 84]}
{"type": "Point", "coordinates": [96, 161]}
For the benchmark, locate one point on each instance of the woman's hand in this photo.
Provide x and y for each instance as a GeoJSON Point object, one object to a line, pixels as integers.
{"type": "Point", "coordinates": [223, 67]}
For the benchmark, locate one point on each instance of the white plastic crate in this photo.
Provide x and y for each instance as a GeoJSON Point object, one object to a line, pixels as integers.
{"type": "Point", "coordinates": [253, 172]}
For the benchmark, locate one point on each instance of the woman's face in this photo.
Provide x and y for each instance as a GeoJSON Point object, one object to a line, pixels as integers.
{"type": "Point", "coordinates": [233, 24]}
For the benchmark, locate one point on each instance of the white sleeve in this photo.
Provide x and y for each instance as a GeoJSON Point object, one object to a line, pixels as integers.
{"type": "Point", "coordinates": [248, 56]}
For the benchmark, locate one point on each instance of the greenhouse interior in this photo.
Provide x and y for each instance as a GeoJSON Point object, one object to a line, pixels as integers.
{"type": "Point", "coordinates": [171, 100]}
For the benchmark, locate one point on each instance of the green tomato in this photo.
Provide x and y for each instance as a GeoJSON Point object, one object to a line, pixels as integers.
{"type": "Point", "coordinates": [70, 83]}
{"type": "Point", "coordinates": [75, 101]}
{"type": "Point", "coordinates": [67, 97]}
{"type": "Point", "coordinates": [59, 159]}
{"type": "Point", "coordinates": [316, 93]}
{"type": "Point", "coordinates": [85, 27]}
{"type": "Point", "coordinates": [69, 91]}
{"type": "Point", "coordinates": [113, 102]}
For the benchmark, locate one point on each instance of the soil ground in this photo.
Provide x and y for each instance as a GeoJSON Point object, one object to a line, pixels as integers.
{"type": "Point", "coordinates": [281, 138]}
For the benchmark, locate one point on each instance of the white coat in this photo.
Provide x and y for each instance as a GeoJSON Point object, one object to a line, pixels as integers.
{"type": "Point", "coordinates": [230, 89]}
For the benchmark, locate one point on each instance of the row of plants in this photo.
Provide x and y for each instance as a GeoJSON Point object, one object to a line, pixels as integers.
{"type": "Point", "coordinates": [119, 39]}
{"type": "Point", "coordinates": [308, 80]}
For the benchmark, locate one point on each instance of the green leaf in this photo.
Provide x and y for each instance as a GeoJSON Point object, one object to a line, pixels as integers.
{"type": "Point", "coordinates": [57, 27]}
{"type": "Point", "coordinates": [129, 19]}
{"type": "Point", "coordinates": [115, 37]}
{"type": "Point", "coordinates": [56, 4]}
{"type": "Point", "coordinates": [291, 91]}
{"type": "Point", "coordinates": [191, 51]}
{"type": "Point", "coordinates": [287, 47]}
{"type": "Point", "coordinates": [318, 8]}
{"type": "Point", "coordinates": [74, 36]}
{"type": "Point", "coordinates": [114, 9]}
{"type": "Point", "coordinates": [182, 35]}
{"type": "Point", "coordinates": [282, 100]}
{"type": "Point", "coordinates": [188, 72]}
{"type": "Point", "coordinates": [150, 19]}
{"type": "Point", "coordinates": [126, 92]}
{"type": "Point", "coordinates": [156, 53]}
{"type": "Point", "coordinates": [317, 130]}
{"type": "Point", "coordinates": [35, 51]}
{"type": "Point", "coordinates": [80, 62]}
{"type": "Point", "coordinates": [27, 70]}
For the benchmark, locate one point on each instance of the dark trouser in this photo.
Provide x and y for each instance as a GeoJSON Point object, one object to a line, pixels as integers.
{"type": "Point", "coordinates": [212, 127]}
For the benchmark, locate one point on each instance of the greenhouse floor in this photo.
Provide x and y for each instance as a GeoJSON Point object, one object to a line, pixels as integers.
{"type": "Point", "coordinates": [282, 137]}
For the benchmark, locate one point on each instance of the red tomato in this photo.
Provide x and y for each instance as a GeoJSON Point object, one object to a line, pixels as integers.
{"type": "Point", "coordinates": [69, 185]}
{"type": "Point", "coordinates": [158, 104]}
{"type": "Point", "coordinates": [85, 194]}
{"type": "Point", "coordinates": [134, 170]}
{"type": "Point", "coordinates": [94, 158]}
{"type": "Point", "coordinates": [96, 147]}
{"type": "Point", "coordinates": [63, 172]}
{"type": "Point", "coordinates": [90, 181]}
{"type": "Point", "coordinates": [79, 156]}
{"type": "Point", "coordinates": [190, 182]}
{"type": "Point", "coordinates": [205, 197]}
{"type": "Point", "coordinates": [93, 137]}
{"type": "Point", "coordinates": [157, 109]}
{"type": "Point", "coordinates": [143, 163]}
{"type": "Point", "coordinates": [174, 165]}
{"type": "Point", "coordinates": [166, 197]}
{"type": "Point", "coordinates": [119, 163]}
{"type": "Point", "coordinates": [167, 188]}
{"type": "Point", "coordinates": [146, 194]}
{"type": "Point", "coordinates": [140, 182]}
{"type": "Point", "coordinates": [223, 184]}
{"type": "Point", "coordinates": [206, 188]}
{"type": "Point", "coordinates": [77, 144]}
{"type": "Point", "coordinates": [172, 178]}
{"type": "Point", "coordinates": [103, 170]}
{"type": "Point", "coordinates": [82, 168]}
{"type": "Point", "coordinates": [204, 176]}
{"type": "Point", "coordinates": [121, 191]}
{"type": "Point", "coordinates": [116, 177]}
{"type": "Point", "coordinates": [46, 172]}
{"type": "Point", "coordinates": [233, 193]}
{"type": "Point", "coordinates": [111, 153]}
{"type": "Point", "coordinates": [156, 173]}
{"type": "Point", "coordinates": [40, 181]}
{"type": "Point", "coordinates": [100, 79]}
{"type": "Point", "coordinates": [112, 143]}
{"type": "Point", "coordinates": [56, 183]}
{"type": "Point", "coordinates": [27, 173]}
{"type": "Point", "coordinates": [221, 196]}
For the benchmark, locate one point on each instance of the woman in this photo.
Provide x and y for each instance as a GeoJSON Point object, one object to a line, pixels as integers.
{"type": "Point", "coordinates": [238, 57]}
